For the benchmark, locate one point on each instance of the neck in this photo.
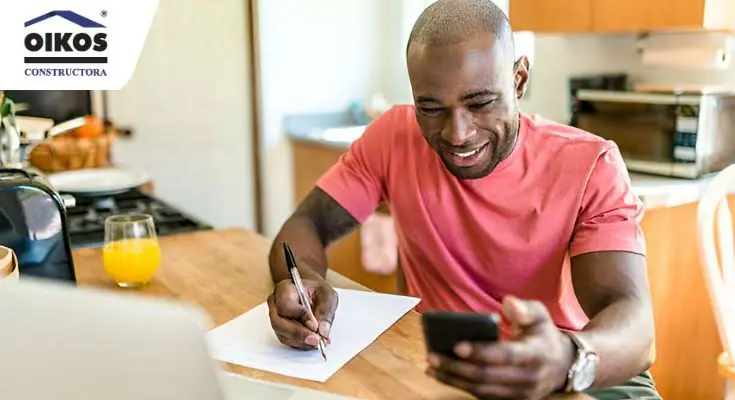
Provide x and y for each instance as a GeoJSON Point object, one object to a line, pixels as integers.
{"type": "Point", "coordinates": [512, 138]}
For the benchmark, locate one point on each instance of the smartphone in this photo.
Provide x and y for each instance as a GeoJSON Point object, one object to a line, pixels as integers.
{"type": "Point", "coordinates": [443, 330]}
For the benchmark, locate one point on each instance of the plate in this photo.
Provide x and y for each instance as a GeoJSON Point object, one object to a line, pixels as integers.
{"type": "Point", "coordinates": [97, 180]}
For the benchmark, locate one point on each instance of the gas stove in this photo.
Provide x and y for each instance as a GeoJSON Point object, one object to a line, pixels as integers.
{"type": "Point", "coordinates": [86, 220]}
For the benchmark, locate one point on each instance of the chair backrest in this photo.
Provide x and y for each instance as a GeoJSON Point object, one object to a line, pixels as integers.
{"type": "Point", "coordinates": [717, 252]}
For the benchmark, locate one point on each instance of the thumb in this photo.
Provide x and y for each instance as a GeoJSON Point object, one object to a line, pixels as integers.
{"type": "Point", "coordinates": [524, 314]}
{"type": "Point", "coordinates": [325, 306]}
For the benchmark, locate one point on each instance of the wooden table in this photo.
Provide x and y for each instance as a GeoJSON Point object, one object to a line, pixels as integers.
{"type": "Point", "coordinates": [226, 273]}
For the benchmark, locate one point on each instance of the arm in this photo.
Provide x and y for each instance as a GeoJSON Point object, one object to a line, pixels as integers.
{"type": "Point", "coordinates": [317, 222]}
{"type": "Point", "coordinates": [608, 267]}
{"type": "Point", "coordinates": [612, 288]}
{"type": "Point", "coordinates": [609, 277]}
{"type": "Point", "coordinates": [343, 198]}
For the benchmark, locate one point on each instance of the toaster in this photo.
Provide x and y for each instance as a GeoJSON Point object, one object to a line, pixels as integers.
{"type": "Point", "coordinates": [33, 224]}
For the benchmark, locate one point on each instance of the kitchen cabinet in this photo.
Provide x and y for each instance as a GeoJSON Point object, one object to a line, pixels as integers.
{"type": "Point", "coordinates": [569, 16]}
{"type": "Point", "coordinates": [652, 15]}
{"type": "Point", "coordinates": [687, 339]}
{"type": "Point", "coordinates": [619, 15]}
{"type": "Point", "coordinates": [611, 16]}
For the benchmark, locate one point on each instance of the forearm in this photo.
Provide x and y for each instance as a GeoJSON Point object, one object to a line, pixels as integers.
{"type": "Point", "coordinates": [311, 257]}
{"type": "Point", "coordinates": [317, 222]}
{"type": "Point", "coordinates": [612, 288]}
{"type": "Point", "coordinates": [622, 334]}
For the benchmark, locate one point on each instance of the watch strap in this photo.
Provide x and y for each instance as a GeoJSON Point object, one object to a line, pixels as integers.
{"type": "Point", "coordinates": [582, 345]}
{"type": "Point", "coordinates": [583, 349]}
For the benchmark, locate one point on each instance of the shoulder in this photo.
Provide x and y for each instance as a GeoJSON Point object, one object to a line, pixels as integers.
{"type": "Point", "coordinates": [394, 128]}
{"type": "Point", "coordinates": [560, 135]}
{"type": "Point", "coordinates": [566, 146]}
{"type": "Point", "coordinates": [397, 120]}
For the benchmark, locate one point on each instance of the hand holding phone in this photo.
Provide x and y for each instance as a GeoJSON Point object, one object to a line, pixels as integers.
{"type": "Point", "coordinates": [533, 364]}
{"type": "Point", "coordinates": [443, 330]}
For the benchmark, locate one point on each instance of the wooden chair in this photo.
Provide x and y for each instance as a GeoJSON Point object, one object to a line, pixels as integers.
{"type": "Point", "coordinates": [717, 252]}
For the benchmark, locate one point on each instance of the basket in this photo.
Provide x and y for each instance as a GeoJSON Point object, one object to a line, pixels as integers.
{"type": "Point", "coordinates": [9, 270]}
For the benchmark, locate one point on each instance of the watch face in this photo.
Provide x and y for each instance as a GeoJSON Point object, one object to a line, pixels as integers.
{"type": "Point", "coordinates": [585, 376]}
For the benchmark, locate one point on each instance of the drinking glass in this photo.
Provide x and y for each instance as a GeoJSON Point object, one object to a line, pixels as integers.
{"type": "Point", "coordinates": [131, 253]}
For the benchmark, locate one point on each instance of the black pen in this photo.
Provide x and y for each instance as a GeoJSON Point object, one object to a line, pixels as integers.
{"type": "Point", "coordinates": [293, 271]}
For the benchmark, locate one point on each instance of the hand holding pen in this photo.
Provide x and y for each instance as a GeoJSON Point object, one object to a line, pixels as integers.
{"type": "Point", "coordinates": [298, 325]}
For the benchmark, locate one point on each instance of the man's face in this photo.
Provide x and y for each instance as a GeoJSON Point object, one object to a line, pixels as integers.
{"type": "Point", "coordinates": [466, 101]}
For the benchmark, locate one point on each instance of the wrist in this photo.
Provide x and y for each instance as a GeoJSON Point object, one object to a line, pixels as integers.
{"type": "Point", "coordinates": [567, 359]}
{"type": "Point", "coordinates": [311, 274]}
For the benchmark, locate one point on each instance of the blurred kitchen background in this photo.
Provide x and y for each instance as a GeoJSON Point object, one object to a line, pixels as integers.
{"type": "Point", "coordinates": [234, 112]}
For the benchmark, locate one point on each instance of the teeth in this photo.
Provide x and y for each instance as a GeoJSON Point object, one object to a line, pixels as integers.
{"type": "Point", "coordinates": [465, 155]}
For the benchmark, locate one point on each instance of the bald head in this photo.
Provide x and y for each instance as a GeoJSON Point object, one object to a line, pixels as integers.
{"type": "Point", "coordinates": [448, 22]}
{"type": "Point", "coordinates": [466, 84]}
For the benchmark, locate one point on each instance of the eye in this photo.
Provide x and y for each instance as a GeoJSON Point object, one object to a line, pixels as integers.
{"type": "Point", "coordinates": [479, 107]}
{"type": "Point", "coordinates": [431, 111]}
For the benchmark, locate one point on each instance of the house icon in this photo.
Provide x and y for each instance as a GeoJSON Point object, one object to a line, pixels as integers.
{"type": "Point", "coordinates": [70, 16]}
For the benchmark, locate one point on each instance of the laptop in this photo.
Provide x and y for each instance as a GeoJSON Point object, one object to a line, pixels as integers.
{"type": "Point", "coordinates": [62, 342]}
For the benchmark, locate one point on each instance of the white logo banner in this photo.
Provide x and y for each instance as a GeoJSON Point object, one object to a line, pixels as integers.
{"type": "Point", "coordinates": [72, 44]}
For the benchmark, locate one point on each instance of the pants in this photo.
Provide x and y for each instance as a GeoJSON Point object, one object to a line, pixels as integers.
{"type": "Point", "coordinates": [640, 387]}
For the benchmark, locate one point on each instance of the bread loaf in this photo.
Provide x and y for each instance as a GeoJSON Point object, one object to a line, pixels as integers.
{"type": "Point", "coordinates": [69, 152]}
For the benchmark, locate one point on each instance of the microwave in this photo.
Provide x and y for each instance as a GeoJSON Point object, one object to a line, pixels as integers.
{"type": "Point", "coordinates": [683, 135]}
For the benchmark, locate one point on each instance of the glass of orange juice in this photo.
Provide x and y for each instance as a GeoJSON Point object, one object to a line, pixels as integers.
{"type": "Point", "coordinates": [131, 253]}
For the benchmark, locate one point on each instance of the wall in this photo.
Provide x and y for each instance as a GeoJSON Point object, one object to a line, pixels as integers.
{"type": "Point", "coordinates": [315, 56]}
{"type": "Point", "coordinates": [189, 105]}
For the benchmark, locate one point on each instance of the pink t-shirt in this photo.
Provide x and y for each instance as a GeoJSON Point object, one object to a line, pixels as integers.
{"type": "Point", "coordinates": [465, 244]}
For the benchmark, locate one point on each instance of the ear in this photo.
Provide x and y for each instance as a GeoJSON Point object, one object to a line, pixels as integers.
{"type": "Point", "coordinates": [520, 76]}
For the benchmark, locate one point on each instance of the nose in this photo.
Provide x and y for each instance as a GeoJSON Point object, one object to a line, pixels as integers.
{"type": "Point", "coordinates": [458, 128]}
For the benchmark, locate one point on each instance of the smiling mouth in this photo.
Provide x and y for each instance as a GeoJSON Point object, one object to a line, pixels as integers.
{"type": "Point", "coordinates": [466, 158]}
{"type": "Point", "coordinates": [467, 154]}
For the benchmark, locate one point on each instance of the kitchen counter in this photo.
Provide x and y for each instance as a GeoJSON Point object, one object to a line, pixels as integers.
{"type": "Point", "coordinates": [661, 192]}
{"type": "Point", "coordinates": [226, 273]}
{"type": "Point", "coordinates": [654, 191]}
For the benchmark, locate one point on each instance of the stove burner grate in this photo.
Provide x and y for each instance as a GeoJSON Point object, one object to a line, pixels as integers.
{"type": "Point", "coordinates": [86, 221]}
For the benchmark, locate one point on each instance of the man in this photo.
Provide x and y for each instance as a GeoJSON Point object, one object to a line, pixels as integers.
{"type": "Point", "coordinates": [491, 206]}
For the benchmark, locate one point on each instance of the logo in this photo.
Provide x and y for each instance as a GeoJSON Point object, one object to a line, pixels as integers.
{"type": "Point", "coordinates": [72, 44]}
{"type": "Point", "coordinates": [52, 43]}
{"type": "Point", "coordinates": [79, 40]}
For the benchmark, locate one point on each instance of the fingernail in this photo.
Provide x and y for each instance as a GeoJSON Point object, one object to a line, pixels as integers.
{"type": "Point", "coordinates": [311, 324]}
{"type": "Point", "coordinates": [312, 340]}
{"type": "Point", "coordinates": [324, 328]}
{"type": "Point", "coordinates": [519, 306]}
{"type": "Point", "coordinates": [463, 350]}
{"type": "Point", "coordinates": [433, 361]}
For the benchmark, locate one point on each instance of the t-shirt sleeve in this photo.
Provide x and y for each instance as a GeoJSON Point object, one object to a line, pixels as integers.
{"type": "Point", "coordinates": [610, 215]}
{"type": "Point", "coordinates": [357, 180]}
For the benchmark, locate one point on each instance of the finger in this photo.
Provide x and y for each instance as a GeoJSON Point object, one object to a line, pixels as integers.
{"type": "Point", "coordinates": [294, 333]}
{"type": "Point", "coordinates": [287, 301]}
{"type": "Point", "coordinates": [289, 305]}
{"type": "Point", "coordinates": [525, 314]}
{"type": "Point", "coordinates": [294, 344]}
{"type": "Point", "coordinates": [325, 306]}
{"type": "Point", "coordinates": [478, 389]}
{"type": "Point", "coordinates": [478, 373]}
{"type": "Point", "coordinates": [292, 330]}
{"type": "Point", "coordinates": [523, 353]}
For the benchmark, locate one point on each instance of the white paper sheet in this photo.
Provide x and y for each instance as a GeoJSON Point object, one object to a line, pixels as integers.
{"type": "Point", "coordinates": [361, 317]}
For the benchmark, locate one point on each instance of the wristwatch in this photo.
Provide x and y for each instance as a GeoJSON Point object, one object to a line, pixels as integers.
{"type": "Point", "coordinates": [583, 372]}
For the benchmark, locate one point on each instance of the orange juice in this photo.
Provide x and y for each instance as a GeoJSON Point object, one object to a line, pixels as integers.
{"type": "Point", "coordinates": [132, 262]}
